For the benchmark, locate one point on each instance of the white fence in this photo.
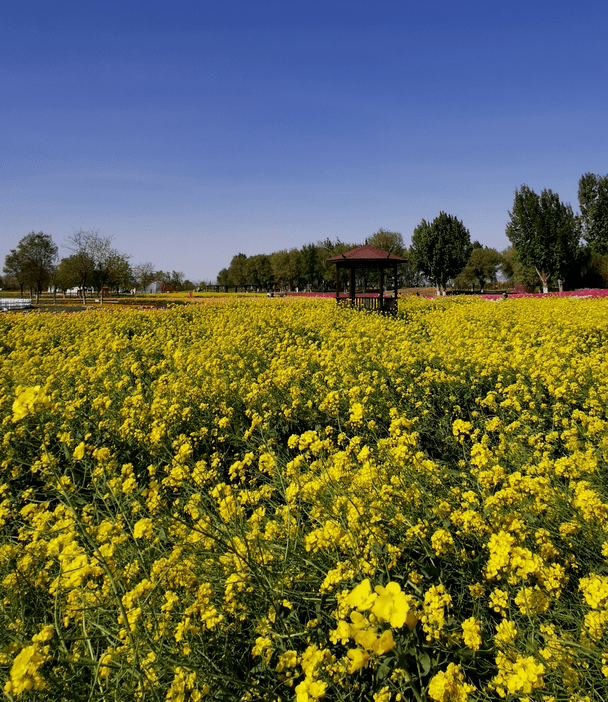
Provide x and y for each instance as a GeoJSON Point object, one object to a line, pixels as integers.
{"type": "Point", "coordinates": [14, 303]}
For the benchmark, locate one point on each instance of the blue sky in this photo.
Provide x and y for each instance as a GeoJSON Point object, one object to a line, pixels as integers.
{"type": "Point", "coordinates": [192, 131]}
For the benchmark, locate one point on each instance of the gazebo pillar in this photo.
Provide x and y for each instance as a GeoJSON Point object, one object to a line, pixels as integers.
{"type": "Point", "coordinates": [351, 285]}
{"type": "Point", "coordinates": [337, 283]}
{"type": "Point", "coordinates": [381, 297]}
{"type": "Point", "coordinates": [396, 283]}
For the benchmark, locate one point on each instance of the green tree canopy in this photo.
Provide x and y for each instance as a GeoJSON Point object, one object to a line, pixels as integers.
{"type": "Point", "coordinates": [312, 265]}
{"type": "Point", "coordinates": [440, 249]}
{"type": "Point", "coordinates": [75, 271]}
{"type": "Point", "coordinates": [593, 201]}
{"type": "Point", "coordinates": [259, 271]}
{"type": "Point", "coordinates": [14, 267]}
{"type": "Point", "coordinates": [483, 265]}
{"type": "Point", "coordinates": [545, 233]}
{"type": "Point", "coordinates": [388, 241]}
{"type": "Point", "coordinates": [118, 270]}
{"type": "Point", "coordinates": [222, 277]}
{"type": "Point", "coordinates": [516, 272]}
{"type": "Point", "coordinates": [32, 261]}
{"type": "Point", "coordinates": [237, 271]}
{"type": "Point", "coordinates": [287, 267]}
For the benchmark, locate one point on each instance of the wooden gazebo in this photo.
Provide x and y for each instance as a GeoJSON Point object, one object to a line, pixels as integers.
{"type": "Point", "coordinates": [367, 257]}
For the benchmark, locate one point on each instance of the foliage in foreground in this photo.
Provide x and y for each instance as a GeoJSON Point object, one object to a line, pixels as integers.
{"type": "Point", "coordinates": [283, 500]}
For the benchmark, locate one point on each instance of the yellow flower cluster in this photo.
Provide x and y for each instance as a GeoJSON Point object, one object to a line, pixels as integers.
{"type": "Point", "coordinates": [25, 674]}
{"type": "Point", "coordinates": [449, 686]}
{"type": "Point", "coordinates": [29, 401]}
{"type": "Point", "coordinates": [283, 499]}
{"type": "Point", "coordinates": [386, 605]}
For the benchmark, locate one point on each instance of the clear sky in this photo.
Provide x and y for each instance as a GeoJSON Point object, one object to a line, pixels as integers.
{"type": "Point", "coordinates": [192, 131]}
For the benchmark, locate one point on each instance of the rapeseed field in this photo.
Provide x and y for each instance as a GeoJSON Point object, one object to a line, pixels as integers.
{"type": "Point", "coordinates": [283, 500]}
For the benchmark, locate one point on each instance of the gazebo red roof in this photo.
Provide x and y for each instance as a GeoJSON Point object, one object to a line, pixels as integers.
{"type": "Point", "coordinates": [366, 253]}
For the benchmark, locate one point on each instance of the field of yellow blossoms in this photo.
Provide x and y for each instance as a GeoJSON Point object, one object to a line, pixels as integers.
{"type": "Point", "coordinates": [282, 500]}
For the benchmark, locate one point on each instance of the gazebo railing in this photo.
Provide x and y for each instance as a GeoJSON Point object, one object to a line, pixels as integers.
{"type": "Point", "coordinates": [371, 304]}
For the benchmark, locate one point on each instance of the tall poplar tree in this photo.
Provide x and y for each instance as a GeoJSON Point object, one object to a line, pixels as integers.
{"type": "Point", "coordinates": [545, 233]}
{"type": "Point", "coordinates": [593, 201]}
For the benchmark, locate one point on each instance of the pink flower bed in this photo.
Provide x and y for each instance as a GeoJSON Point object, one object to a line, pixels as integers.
{"type": "Point", "coordinates": [595, 292]}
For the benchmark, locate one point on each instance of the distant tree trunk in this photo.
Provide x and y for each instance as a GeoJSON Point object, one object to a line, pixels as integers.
{"type": "Point", "coordinates": [544, 279]}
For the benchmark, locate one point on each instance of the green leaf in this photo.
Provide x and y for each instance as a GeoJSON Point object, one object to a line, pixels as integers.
{"type": "Point", "coordinates": [425, 663]}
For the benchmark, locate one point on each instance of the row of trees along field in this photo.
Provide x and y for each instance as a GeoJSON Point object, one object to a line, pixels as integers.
{"type": "Point", "coordinates": [550, 246]}
{"type": "Point", "coordinates": [308, 268]}
{"type": "Point", "coordinates": [92, 263]}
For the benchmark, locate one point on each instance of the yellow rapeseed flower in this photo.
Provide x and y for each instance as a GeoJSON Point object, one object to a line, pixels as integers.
{"type": "Point", "coordinates": [30, 401]}
{"type": "Point", "coordinates": [471, 629]}
{"type": "Point", "coordinates": [449, 686]}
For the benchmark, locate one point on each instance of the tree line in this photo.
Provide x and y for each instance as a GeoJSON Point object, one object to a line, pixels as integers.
{"type": "Point", "coordinates": [550, 246]}
{"type": "Point", "coordinates": [93, 263]}
{"type": "Point", "coordinates": [307, 267]}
